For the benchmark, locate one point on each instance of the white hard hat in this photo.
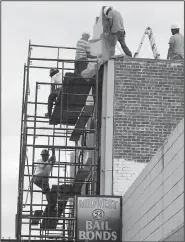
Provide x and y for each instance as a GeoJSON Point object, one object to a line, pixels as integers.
{"type": "Point", "coordinates": [106, 9]}
{"type": "Point", "coordinates": [175, 26]}
{"type": "Point", "coordinates": [86, 33]}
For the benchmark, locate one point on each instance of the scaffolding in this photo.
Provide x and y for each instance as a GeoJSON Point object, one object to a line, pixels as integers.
{"type": "Point", "coordinates": [72, 130]}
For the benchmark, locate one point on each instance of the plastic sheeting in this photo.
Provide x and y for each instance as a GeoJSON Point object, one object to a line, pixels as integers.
{"type": "Point", "coordinates": [91, 69]}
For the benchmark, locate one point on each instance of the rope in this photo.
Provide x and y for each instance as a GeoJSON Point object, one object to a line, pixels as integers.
{"type": "Point", "coordinates": [119, 49]}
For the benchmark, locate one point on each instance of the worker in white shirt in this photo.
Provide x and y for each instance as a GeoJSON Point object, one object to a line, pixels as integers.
{"type": "Point", "coordinates": [56, 78]}
{"type": "Point", "coordinates": [117, 29]}
{"type": "Point", "coordinates": [43, 170]}
{"type": "Point", "coordinates": [176, 44]}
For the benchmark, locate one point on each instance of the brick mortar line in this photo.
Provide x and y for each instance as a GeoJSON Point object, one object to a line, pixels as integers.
{"type": "Point", "coordinates": [141, 60]}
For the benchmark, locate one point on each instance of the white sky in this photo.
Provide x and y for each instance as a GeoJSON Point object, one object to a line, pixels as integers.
{"type": "Point", "coordinates": [61, 24]}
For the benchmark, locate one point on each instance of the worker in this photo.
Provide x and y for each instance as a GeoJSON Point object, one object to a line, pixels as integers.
{"type": "Point", "coordinates": [42, 170]}
{"type": "Point", "coordinates": [83, 52]}
{"type": "Point", "coordinates": [176, 44]}
{"type": "Point", "coordinates": [116, 31]}
{"type": "Point", "coordinates": [56, 78]}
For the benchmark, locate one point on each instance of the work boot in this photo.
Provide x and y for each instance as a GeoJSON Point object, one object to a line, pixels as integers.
{"type": "Point", "coordinates": [128, 56]}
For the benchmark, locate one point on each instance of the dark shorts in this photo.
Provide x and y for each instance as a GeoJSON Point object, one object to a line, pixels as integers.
{"type": "Point", "coordinates": [42, 182]}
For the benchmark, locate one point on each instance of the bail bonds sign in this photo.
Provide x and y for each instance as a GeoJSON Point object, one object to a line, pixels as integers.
{"type": "Point", "coordinates": [98, 218]}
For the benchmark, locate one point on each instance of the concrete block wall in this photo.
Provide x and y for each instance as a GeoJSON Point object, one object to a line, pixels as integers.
{"type": "Point", "coordinates": [153, 207]}
{"type": "Point", "coordinates": [176, 235]}
{"type": "Point", "coordinates": [148, 104]}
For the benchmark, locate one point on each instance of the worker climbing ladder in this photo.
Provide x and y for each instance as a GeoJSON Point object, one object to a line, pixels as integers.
{"type": "Point", "coordinates": [148, 31]}
{"type": "Point", "coordinates": [72, 131]}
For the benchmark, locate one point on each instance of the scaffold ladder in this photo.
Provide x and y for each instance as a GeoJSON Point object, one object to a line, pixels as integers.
{"type": "Point", "coordinates": [148, 31]}
{"type": "Point", "coordinates": [51, 215]}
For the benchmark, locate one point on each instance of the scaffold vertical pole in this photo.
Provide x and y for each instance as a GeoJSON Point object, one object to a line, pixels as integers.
{"type": "Point", "coordinates": [19, 209]}
{"type": "Point", "coordinates": [33, 157]}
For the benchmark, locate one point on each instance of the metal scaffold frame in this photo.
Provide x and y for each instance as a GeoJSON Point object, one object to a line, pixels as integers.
{"type": "Point", "coordinates": [80, 175]}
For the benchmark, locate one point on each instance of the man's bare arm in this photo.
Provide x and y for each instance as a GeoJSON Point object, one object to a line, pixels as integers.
{"type": "Point", "coordinates": [94, 40]}
{"type": "Point", "coordinates": [170, 51]}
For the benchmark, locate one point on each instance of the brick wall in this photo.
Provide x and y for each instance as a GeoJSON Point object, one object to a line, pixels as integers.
{"type": "Point", "coordinates": [125, 173]}
{"type": "Point", "coordinates": [148, 104]}
{"type": "Point", "coordinates": [153, 207]}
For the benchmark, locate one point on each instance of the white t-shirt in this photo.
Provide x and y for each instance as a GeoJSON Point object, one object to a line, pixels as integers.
{"type": "Point", "coordinates": [178, 44]}
{"type": "Point", "coordinates": [57, 78]}
{"type": "Point", "coordinates": [44, 167]}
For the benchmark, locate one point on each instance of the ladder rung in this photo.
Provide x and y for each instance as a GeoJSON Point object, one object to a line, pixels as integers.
{"type": "Point", "coordinates": [149, 32]}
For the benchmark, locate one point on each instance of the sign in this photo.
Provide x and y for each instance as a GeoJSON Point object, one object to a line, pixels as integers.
{"type": "Point", "coordinates": [98, 218]}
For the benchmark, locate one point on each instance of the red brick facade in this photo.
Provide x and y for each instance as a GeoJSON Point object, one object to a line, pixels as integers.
{"type": "Point", "coordinates": [148, 104]}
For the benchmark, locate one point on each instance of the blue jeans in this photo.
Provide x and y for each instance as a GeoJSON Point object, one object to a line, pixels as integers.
{"type": "Point", "coordinates": [120, 36]}
{"type": "Point", "coordinates": [41, 181]}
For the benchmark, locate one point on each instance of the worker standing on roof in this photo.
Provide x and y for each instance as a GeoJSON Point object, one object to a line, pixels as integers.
{"type": "Point", "coordinates": [116, 29]}
{"type": "Point", "coordinates": [56, 78]}
{"type": "Point", "coordinates": [43, 170]}
{"type": "Point", "coordinates": [176, 44]}
{"type": "Point", "coordinates": [83, 52]}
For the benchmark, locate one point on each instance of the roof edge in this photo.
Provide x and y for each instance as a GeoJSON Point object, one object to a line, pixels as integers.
{"type": "Point", "coordinates": [117, 57]}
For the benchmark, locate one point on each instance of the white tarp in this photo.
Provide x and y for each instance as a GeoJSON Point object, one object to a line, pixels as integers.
{"type": "Point", "coordinates": [96, 48]}
{"type": "Point", "coordinates": [91, 69]}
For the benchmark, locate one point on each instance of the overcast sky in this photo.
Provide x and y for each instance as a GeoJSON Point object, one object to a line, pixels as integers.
{"type": "Point", "coordinates": [61, 24]}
